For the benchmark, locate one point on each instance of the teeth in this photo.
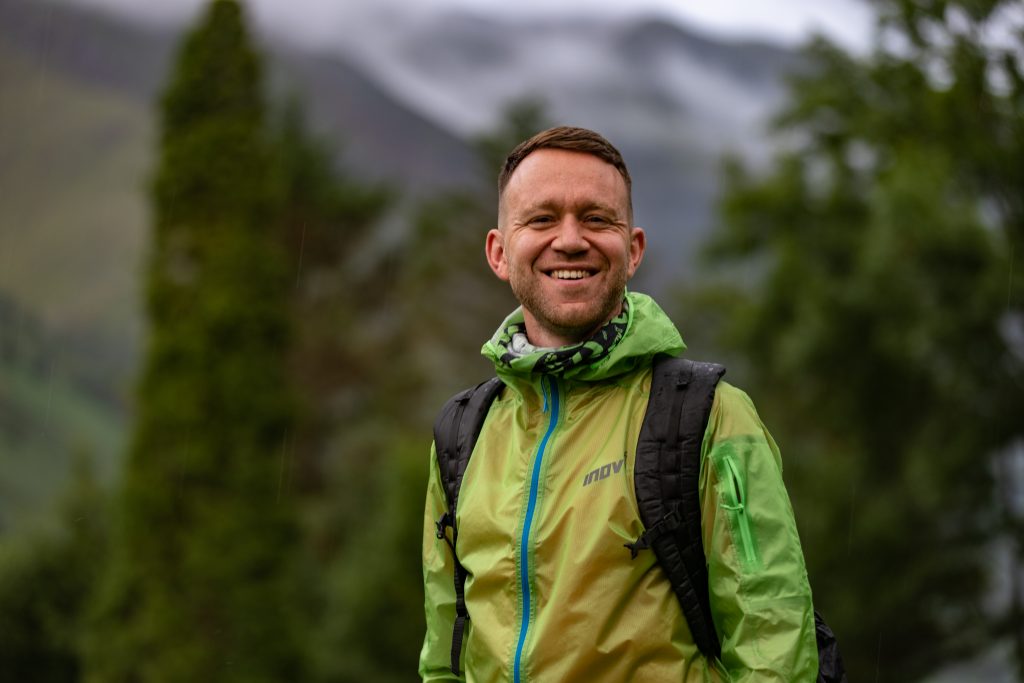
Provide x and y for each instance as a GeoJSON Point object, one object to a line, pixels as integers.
{"type": "Point", "coordinates": [569, 274]}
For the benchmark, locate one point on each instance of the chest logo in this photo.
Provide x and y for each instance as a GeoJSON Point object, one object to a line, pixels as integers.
{"type": "Point", "coordinates": [604, 472]}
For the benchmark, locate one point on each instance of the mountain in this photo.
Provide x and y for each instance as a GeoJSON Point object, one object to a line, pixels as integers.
{"type": "Point", "coordinates": [77, 129]}
{"type": "Point", "coordinates": [399, 101]}
{"type": "Point", "coordinates": [671, 99]}
{"type": "Point", "coordinates": [400, 97]}
{"type": "Point", "coordinates": [77, 91]}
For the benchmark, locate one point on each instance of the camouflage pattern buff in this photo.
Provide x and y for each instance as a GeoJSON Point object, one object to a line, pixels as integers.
{"type": "Point", "coordinates": [558, 361]}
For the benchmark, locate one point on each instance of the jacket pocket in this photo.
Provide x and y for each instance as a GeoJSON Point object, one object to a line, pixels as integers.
{"type": "Point", "coordinates": [732, 489]}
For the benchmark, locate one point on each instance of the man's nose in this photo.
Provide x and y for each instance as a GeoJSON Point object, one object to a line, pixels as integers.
{"type": "Point", "coordinates": [571, 236]}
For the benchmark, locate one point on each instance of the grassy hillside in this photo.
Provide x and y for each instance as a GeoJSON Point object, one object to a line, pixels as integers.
{"type": "Point", "coordinates": [77, 127]}
{"type": "Point", "coordinates": [51, 412]}
{"type": "Point", "coordinates": [77, 91]}
{"type": "Point", "coordinates": [74, 157]}
{"type": "Point", "coordinates": [73, 164]}
{"type": "Point", "coordinates": [45, 422]}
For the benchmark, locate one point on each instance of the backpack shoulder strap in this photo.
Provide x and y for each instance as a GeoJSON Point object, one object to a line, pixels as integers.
{"type": "Point", "coordinates": [455, 433]}
{"type": "Point", "coordinates": [456, 430]}
{"type": "Point", "coordinates": [666, 480]}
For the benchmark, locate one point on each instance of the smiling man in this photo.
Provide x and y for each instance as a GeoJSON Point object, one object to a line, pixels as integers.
{"type": "Point", "coordinates": [529, 579]}
{"type": "Point", "coordinates": [566, 243]}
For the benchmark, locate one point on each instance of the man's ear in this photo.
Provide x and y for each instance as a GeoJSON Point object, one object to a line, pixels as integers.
{"type": "Point", "coordinates": [495, 248]}
{"type": "Point", "coordinates": [637, 247]}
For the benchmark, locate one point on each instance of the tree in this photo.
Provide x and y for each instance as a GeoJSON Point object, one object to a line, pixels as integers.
{"type": "Point", "coordinates": [879, 310]}
{"type": "Point", "coordinates": [198, 586]}
{"type": "Point", "coordinates": [453, 300]}
{"type": "Point", "coordinates": [431, 303]}
{"type": "Point", "coordinates": [328, 221]}
{"type": "Point", "coordinates": [46, 578]}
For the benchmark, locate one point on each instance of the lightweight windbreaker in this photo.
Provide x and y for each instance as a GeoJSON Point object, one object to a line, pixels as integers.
{"type": "Point", "coordinates": [547, 505]}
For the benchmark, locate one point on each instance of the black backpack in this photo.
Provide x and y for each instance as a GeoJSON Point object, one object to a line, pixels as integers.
{"type": "Point", "coordinates": [666, 481]}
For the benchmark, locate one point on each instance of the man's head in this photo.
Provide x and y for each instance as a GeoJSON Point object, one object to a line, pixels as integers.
{"type": "Point", "coordinates": [565, 239]}
{"type": "Point", "coordinates": [573, 140]}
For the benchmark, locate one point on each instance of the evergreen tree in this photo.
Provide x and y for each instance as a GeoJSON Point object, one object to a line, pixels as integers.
{"type": "Point", "coordinates": [878, 314]}
{"type": "Point", "coordinates": [452, 300]}
{"type": "Point", "coordinates": [336, 278]}
{"type": "Point", "coordinates": [46, 578]}
{"type": "Point", "coordinates": [429, 305]}
{"type": "Point", "coordinates": [198, 585]}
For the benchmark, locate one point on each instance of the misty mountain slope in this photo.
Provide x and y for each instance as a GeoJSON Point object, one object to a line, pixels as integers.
{"type": "Point", "coordinates": [373, 131]}
{"type": "Point", "coordinates": [377, 139]}
{"type": "Point", "coordinates": [77, 136]}
{"type": "Point", "coordinates": [398, 102]}
{"type": "Point", "coordinates": [672, 100]}
{"type": "Point", "coordinates": [73, 164]}
{"type": "Point", "coordinates": [647, 81]}
{"type": "Point", "coordinates": [88, 45]}
{"type": "Point", "coordinates": [76, 145]}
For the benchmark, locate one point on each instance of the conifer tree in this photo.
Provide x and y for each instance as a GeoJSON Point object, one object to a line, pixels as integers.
{"type": "Point", "coordinates": [436, 302]}
{"type": "Point", "coordinates": [198, 585]}
{"type": "Point", "coordinates": [882, 329]}
{"type": "Point", "coordinates": [45, 580]}
{"type": "Point", "coordinates": [328, 219]}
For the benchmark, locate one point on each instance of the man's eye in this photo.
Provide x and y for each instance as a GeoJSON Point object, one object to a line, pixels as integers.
{"type": "Point", "coordinates": [597, 220]}
{"type": "Point", "coordinates": [540, 219]}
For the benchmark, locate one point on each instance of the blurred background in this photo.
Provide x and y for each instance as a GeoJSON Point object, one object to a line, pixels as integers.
{"type": "Point", "coordinates": [241, 267]}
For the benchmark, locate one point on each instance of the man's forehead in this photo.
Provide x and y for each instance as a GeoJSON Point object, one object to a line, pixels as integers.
{"type": "Point", "coordinates": [551, 159]}
{"type": "Point", "coordinates": [559, 171]}
{"type": "Point", "coordinates": [559, 201]}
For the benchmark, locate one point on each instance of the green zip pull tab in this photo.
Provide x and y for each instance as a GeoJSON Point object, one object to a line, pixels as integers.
{"type": "Point", "coordinates": [737, 485]}
{"type": "Point", "coordinates": [749, 549]}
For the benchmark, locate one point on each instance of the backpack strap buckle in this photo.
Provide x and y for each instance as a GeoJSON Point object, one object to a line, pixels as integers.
{"type": "Point", "coordinates": [665, 526]}
{"type": "Point", "coordinates": [442, 525]}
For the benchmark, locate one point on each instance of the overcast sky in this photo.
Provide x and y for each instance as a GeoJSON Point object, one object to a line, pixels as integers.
{"type": "Point", "coordinates": [786, 21]}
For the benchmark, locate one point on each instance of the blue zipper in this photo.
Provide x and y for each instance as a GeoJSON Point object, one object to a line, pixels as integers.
{"type": "Point", "coordinates": [524, 574]}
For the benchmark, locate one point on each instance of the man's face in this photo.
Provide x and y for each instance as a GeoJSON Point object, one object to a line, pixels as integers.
{"type": "Point", "coordinates": [565, 244]}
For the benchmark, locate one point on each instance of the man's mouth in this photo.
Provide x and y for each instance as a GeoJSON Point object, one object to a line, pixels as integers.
{"type": "Point", "coordinates": [569, 274]}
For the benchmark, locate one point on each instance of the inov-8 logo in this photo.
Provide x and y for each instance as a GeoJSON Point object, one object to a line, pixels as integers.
{"type": "Point", "coordinates": [604, 472]}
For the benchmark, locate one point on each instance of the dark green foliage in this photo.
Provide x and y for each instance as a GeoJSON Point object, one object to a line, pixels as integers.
{"type": "Point", "coordinates": [335, 278]}
{"type": "Point", "coordinates": [425, 308]}
{"type": "Point", "coordinates": [45, 582]}
{"type": "Point", "coordinates": [453, 300]}
{"type": "Point", "coordinates": [373, 620]}
{"type": "Point", "coordinates": [198, 586]}
{"type": "Point", "coordinates": [876, 291]}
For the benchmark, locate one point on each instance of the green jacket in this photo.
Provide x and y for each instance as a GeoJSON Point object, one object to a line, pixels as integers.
{"type": "Point", "coordinates": [552, 593]}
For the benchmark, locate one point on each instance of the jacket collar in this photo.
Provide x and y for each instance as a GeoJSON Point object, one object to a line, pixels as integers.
{"type": "Point", "coordinates": [647, 332]}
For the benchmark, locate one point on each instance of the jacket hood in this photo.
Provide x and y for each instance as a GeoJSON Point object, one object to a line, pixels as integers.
{"type": "Point", "coordinates": [648, 332]}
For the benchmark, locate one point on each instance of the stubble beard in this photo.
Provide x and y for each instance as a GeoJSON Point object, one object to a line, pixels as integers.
{"type": "Point", "coordinates": [576, 323]}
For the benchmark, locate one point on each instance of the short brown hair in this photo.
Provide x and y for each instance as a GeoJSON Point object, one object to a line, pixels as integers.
{"type": "Point", "coordinates": [572, 139]}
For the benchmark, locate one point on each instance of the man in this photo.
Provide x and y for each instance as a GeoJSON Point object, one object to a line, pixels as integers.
{"type": "Point", "coordinates": [551, 592]}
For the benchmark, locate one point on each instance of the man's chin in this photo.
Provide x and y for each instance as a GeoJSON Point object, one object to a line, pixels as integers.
{"type": "Point", "coordinates": [573, 322]}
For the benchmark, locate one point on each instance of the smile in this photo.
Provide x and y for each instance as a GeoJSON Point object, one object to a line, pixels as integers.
{"type": "Point", "coordinates": [567, 274]}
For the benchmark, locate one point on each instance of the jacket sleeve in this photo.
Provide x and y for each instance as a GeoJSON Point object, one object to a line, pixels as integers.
{"type": "Point", "coordinates": [760, 596]}
{"type": "Point", "coordinates": [438, 587]}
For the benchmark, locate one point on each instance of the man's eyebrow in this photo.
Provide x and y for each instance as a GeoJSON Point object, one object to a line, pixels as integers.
{"type": "Point", "coordinates": [540, 205]}
{"type": "Point", "coordinates": [599, 206]}
{"type": "Point", "coordinates": [552, 205]}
